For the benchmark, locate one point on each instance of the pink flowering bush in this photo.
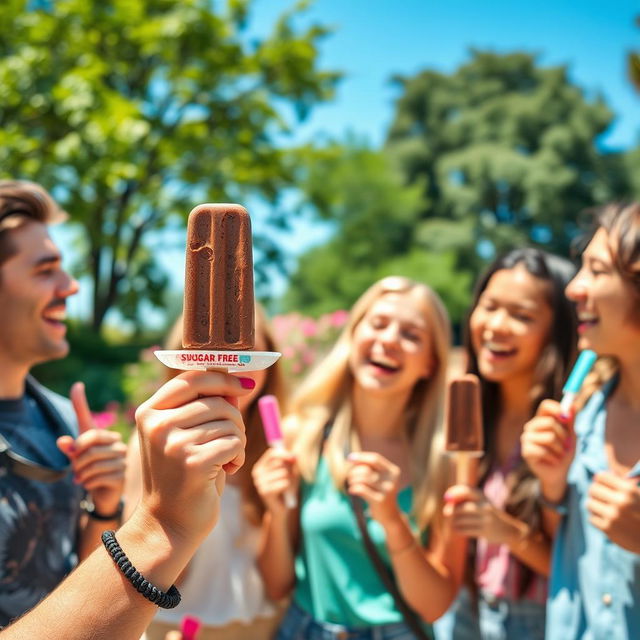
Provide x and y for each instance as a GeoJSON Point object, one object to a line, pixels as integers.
{"type": "Point", "coordinates": [304, 340]}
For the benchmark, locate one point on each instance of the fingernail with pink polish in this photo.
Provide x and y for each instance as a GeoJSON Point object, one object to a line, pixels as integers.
{"type": "Point", "coordinates": [247, 383]}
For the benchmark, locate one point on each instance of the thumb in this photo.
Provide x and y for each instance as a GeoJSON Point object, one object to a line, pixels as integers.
{"type": "Point", "coordinates": [220, 482]}
{"type": "Point", "coordinates": [66, 444]}
{"type": "Point", "coordinates": [458, 493]}
{"type": "Point", "coordinates": [81, 407]}
{"type": "Point", "coordinates": [173, 635]}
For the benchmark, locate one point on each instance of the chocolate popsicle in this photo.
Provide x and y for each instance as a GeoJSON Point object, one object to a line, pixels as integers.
{"type": "Point", "coordinates": [464, 435]}
{"type": "Point", "coordinates": [218, 296]}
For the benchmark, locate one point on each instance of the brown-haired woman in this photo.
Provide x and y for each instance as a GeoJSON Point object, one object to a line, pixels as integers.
{"type": "Point", "coordinates": [589, 467]}
{"type": "Point", "coordinates": [520, 342]}
{"type": "Point", "coordinates": [222, 585]}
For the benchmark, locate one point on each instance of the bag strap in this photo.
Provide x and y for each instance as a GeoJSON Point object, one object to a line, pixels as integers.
{"type": "Point", "coordinates": [411, 618]}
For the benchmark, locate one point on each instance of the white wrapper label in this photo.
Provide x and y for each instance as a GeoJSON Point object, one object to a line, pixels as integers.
{"type": "Point", "coordinates": [200, 360]}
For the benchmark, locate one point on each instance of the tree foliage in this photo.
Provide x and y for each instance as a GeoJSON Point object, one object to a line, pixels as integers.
{"type": "Point", "coordinates": [374, 215]}
{"type": "Point", "coordinates": [634, 65]}
{"type": "Point", "coordinates": [133, 111]}
{"type": "Point", "coordinates": [503, 146]}
{"type": "Point", "coordinates": [500, 153]}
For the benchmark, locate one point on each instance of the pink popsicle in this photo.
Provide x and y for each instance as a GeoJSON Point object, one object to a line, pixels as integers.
{"type": "Point", "coordinates": [189, 627]}
{"type": "Point", "coordinates": [270, 414]}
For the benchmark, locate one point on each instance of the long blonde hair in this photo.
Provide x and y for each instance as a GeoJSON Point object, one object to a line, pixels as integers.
{"type": "Point", "coordinates": [325, 398]}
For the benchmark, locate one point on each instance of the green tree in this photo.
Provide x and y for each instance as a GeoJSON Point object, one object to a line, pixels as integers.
{"type": "Point", "coordinates": [133, 111]}
{"type": "Point", "coordinates": [506, 152]}
{"type": "Point", "coordinates": [374, 214]}
{"type": "Point", "coordinates": [634, 65]}
{"type": "Point", "coordinates": [500, 153]}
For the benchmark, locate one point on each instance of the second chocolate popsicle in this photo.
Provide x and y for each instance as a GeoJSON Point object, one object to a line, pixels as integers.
{"type": "Point", "coordinates": [218, 296]}
{"type": "Point", "coordinates": [464, 434]}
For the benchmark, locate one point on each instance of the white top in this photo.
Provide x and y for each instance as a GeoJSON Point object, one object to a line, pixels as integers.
{"type": "Point", "coordinates": [223, 584]}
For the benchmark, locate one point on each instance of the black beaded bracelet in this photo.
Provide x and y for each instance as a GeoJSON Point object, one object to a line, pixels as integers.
{"type": "Point", "coordinates": [166, 600]}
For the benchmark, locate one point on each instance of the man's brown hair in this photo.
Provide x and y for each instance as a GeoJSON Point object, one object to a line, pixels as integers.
{"type": "Point", "coordinates": [22, 201]}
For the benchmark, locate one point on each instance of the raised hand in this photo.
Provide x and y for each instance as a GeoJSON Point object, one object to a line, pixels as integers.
{"type": "Point", "coordinates": [97, 456]}
{"type": "Point", "coordinates": [474, 516]}
{"type": "Point", "coordinates": [548, 445]}
{"type": "Point", "coordinates": [375, 479]}
{"type": "Point", "coordinates": [614, 507]}
{"type": "Point", "coordinates": [189, 436]}
{"type": "Point", "coordinates": [274, 475]}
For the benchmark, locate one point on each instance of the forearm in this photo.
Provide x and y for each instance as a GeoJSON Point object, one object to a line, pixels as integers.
{"type": "Point", "coordinates": [551, 496]}
{"type": "Point", "coordinates": [419, 572]}
{"type": "Point", "coordinates": [532, 549]}
{"type": "Point", "coordinates": [276, 555]}
{"type": "Point", "coordinates": [90, 532]}
{"type": "Point", "coordinates": [96, 600]}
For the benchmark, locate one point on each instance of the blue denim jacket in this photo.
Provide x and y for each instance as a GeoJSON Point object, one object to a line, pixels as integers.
{"type": "Point", "coordinates": [595, 584]}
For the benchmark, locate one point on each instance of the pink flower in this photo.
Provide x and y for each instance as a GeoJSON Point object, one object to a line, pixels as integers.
{"type": "Point", "coordinates": [309, 328]}
{"type": "Point", "coordinates": [104, 419]}
{"type": "Point", "coordinates": [308, 357]}
{"type": "Point", "coordinates": [339, 318]}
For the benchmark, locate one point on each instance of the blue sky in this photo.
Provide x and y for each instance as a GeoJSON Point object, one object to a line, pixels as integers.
{"type": "Point", "coordinates": [375, 39]}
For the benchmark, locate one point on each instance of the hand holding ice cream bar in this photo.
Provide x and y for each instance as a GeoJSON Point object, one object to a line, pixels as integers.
{"type": "Point", "coordinates": [218, 294]}
{"type": "Point", "coordinates": [270, 414]}
{"type": "Point", "coordinates": [464, 435]}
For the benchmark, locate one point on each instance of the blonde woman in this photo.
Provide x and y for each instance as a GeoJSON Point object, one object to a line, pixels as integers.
{"type": "Point", "coordinates": [222, 585]}
{"type": "Point", "coordinates": [367, 424]}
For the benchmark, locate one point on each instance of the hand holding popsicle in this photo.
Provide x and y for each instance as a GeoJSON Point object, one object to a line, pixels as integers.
{"type": "Point", "coordinates": [474, 516]}
{"type": "Point", "coordinates": [548, 439]}
{"type": "Point", "coordinates": [274, 476]}
{"type": "Point", "coordinates": [188, 436]}
{"type": "Point", "coordinates": [270, 414]}
{"type": "Point", "coordinates": [548, 447]}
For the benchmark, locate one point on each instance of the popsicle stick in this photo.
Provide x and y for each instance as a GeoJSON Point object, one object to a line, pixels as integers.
{"type": "Point", "coordinates": [466, 468]}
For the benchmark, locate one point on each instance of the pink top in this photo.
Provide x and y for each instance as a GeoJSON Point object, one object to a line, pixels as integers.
{"type": "Point", "coordinates": [497, 571]}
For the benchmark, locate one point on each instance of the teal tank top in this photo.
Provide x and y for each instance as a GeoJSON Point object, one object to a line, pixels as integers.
{"type": "Point", "coordinates": [336, 581]}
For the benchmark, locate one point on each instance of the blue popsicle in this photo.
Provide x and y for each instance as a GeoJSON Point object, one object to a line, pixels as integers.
{"type": "Point", "coordinates": [576, 378]}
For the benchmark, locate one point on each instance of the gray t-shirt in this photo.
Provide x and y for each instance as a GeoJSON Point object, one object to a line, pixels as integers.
{"type": "Point", "coordinates": [38, 520]}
